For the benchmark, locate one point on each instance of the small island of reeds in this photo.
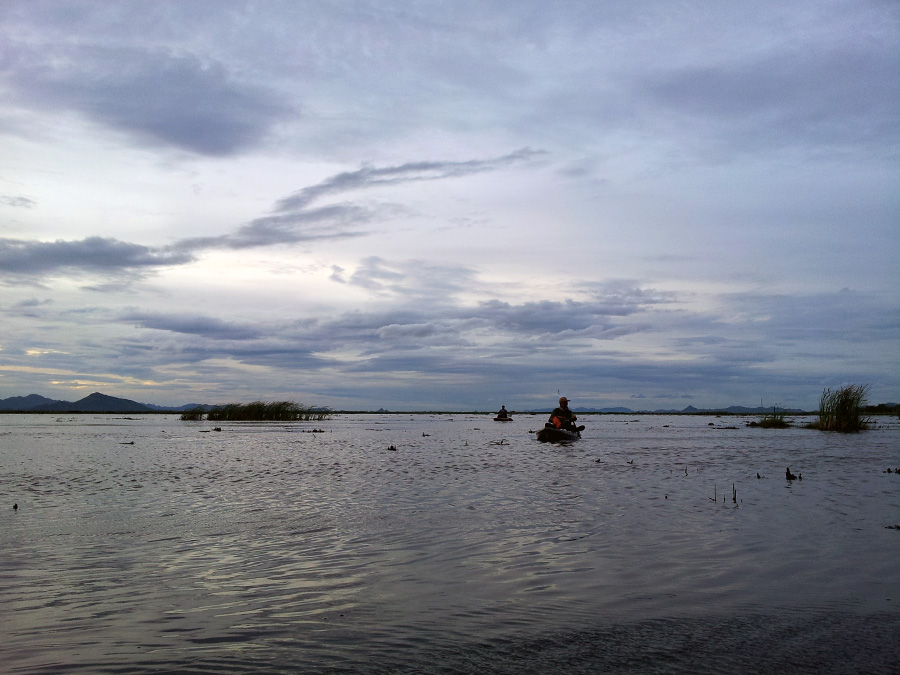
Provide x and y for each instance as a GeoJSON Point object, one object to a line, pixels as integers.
{"type": "Point", "coordinates": [258, 411]}
{"type": "Point", "coordinates": [842, 409]}
{"type": "Point", "coordinates": [772, 420]}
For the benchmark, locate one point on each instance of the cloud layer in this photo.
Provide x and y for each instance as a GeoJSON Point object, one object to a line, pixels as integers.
{"type": "Point", "coordinates": [450, 205]}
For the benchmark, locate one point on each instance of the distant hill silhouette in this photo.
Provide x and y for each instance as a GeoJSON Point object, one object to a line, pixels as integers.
{"type": "Point", "coordinates": [95, 403]}
{"type": "Point", "coordinates": [690, 410]}
{"type": "Point", "coordinates": [101, 403]}
{"type": "Point", "coordinates": [29, 402]}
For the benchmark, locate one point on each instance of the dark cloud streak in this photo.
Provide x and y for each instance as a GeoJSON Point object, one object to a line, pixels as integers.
{"type": "Point", "coordinates": [191, 324]}
{"type": "Point", "coordinates": [369, 176]}
{"type": "Point", "coordinates": [93, 254]}
{"type": "Point", "coordinates": [178, 100]}
{"type": "Point", "coordinates": [293, 221]}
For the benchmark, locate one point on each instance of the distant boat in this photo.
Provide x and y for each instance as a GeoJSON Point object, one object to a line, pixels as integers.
{"type": "Point", "coordinates": [503, 419]}
{"type": "Point", "coordinates": [551, 434]}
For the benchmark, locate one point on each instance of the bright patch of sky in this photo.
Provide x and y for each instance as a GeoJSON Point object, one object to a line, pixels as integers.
{"type": "Point", "coordinates": [450, 205]}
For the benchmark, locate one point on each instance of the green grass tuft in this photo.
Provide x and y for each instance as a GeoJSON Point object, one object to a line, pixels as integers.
{"type": "Point", "coordinates": [772, 420]}
{"type": "Point", "coordinates": [842, 409]}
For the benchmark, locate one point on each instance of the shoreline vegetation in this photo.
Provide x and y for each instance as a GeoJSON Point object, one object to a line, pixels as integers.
{"type": "Point", "coordinates": [258, 411]}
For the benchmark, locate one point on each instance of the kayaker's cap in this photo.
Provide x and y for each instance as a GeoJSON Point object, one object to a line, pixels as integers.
{"type": "Point", "coordinates": [563, 399]}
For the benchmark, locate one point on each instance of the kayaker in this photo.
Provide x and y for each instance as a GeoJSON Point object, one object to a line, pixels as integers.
{"type": "Point", "coordinates": [502, 414]}
{"type": "Point", "coordinates": [562, 417]}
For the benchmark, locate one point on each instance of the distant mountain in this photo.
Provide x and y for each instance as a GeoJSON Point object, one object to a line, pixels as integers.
{"type": "Point", "coordinates": [690, 410]}
{"type": "Point", "coordinates": [179, 408]}
{"type": "Point", "coordinates": [96, 403]}
{"type": "Point", "coordinates": [29, 402]}
{"type": "Point", "coordinates": [759, 410]}
{"type": "Point", "coordinates": [101, 403]}
{"type": "Point", "coordinates": [730, 410]}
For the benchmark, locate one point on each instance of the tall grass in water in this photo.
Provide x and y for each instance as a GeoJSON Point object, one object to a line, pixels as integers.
{"type": "Point", "coordinates": [259, 411]}
{"type": "Point", "coordinates": [772, 420]}
{"type": "Point", "coordinates": [193, 415]}
{"type": "Point", "coordinates": [842, 409]}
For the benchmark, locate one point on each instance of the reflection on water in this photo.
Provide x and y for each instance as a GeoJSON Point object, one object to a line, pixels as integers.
{"type": "Point", "coordinates": [154, 544]}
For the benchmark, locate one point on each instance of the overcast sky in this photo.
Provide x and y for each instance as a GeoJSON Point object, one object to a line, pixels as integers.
{"type": "Point", "coordinates": [450, 205]}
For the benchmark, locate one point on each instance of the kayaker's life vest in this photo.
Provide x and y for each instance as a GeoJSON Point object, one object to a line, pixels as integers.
{"type": "Point", "coordinates": [556, 422]}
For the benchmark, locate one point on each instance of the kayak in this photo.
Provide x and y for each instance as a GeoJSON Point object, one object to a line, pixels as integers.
{"type": "Point", "coordinates": [503, 419]}
{"type": "Point", "coordinates": [553, 435]}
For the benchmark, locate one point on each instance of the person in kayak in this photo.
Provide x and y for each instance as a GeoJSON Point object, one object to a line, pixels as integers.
{"type": "Point", "coordinates": [562, 417]}
{"type": "Point", "coordinates": [502, 413]}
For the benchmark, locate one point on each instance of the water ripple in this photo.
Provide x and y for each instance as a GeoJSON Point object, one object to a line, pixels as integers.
{"type": "Point", "coordinates": [466, 549]}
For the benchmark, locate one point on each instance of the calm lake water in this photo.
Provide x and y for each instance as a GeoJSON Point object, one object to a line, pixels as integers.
{"type": "Point", "coordinates": [148, 544]}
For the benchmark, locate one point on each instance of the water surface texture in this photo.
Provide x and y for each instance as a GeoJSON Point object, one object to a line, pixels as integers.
{"type": "Point", "coordinates": [446, 544]}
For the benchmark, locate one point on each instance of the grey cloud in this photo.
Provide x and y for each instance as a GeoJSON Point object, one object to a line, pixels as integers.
{"type": "Point", "coordinates": [32, 302]}
{"type": "Point", "coordinates": [191, 324]}
{"type": "Point", "coordinates": [577, 319]}
{"type": "Point", "coordinates": [544, 316]}
{"type": "Point", "coordinates": [93, 254]}
{"type": "Point", "coordinates": [411, 278]}
{"type": "Point", "coordinates": [294, 220]}
{"type": "Point", "coordinates": [416, 330]}
{"type": "Point", "coordinates": [375, 274]}
{"type": "Point", "coordinates": [410, 172]}
{"type": "Point", "coordinates": [844, 317]}
{"type": "Point", "coordinates": [17, 201]}
{"type": "Point", "coordinates": [836, 96]}
{"type": "Point", "coordinates": [330, 222]}
{"type": "Point", "coordinates": [30, 307]}
{"type": "Point", "coordinates": [337, 274]}
{"type": "Point", "coordinates": [401, 339]}
{"type": "Point", "coordinates": [528, 328]}
{"type": "Point", "coordinates": [168, 98]}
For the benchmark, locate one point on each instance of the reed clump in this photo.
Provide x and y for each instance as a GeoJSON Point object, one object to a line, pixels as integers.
{"type": "Point", "coordinates": [842, 409]}
{"type": "Point", "coordinates": [259, 411]}
{"type": "Point", "coordinates": [772, 420]}
{"type": "Point", "coordinates": [193, 415]}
